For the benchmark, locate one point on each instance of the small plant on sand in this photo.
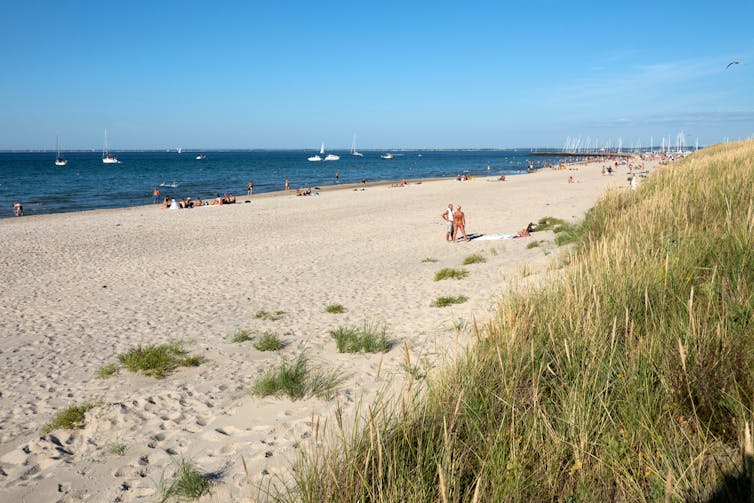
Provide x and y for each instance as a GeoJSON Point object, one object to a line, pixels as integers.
{"type": "Point", "coordinates": [429, 260]}
{"type": "Point", "coordinates": [241, 335]}
{"type": "Point", "coordinates": [493, 251]}
{"type": "Point", "coordinates": [186, 484]}
{"type": "Point", "coordinates": [106, 371]}
{"type": "Point", "coordinates": [448, 272]}
{"type": "Point", "coordinates": [70, 418]}
{"type": "Point", "coordinates": [268, 342]}
{"type": "Point", "coordinates": [335, 309]}
{"type": "Point", "coordinates": [533, 244]}
{"type": "Point", "coordinates": [296, 381]}
{"type": "Point", "coordinates": [264, 315]}
{"type": "Point", "coordinates": [116, 449]}
{"type": "Point", "coordinates": [367, 339]}
{"type": "Point", "coordinates": [551, 224]}
{"type": "Point", "coordinates": [158, 360]}
{"type": "Point", "coordinates": [474, 259]}
{"type": "Point", "coordinates": [413, 370]}
{"type": "Point", "coordinates": [449, 301]}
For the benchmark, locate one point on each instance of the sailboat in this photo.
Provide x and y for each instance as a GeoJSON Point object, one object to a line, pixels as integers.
{"type": "Point", "coordinates": [355, 152]}
{"type": "Point", "coordinates": [316, 157]}
{"type": "Point", "coordinates": [59, 161]}
{"type": "Point", "coordinates": [107, 157]}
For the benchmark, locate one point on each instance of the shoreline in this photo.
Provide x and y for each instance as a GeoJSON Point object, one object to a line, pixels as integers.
{"type": "Point", "coordinates": [98, 283]}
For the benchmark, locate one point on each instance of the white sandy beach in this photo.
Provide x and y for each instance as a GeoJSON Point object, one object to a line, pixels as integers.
{"type": "Point", "coordinates": [78, 289]}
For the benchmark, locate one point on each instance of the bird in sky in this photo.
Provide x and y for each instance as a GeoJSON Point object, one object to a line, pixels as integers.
{"type": "Point", "coordinates": [732, 63]}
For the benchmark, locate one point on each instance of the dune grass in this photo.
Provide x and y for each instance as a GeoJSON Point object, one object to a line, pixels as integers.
{"type": "Point", "coordinates": [429, 260]}
{"type": "Point", "coordinates": [107, 370]}
{"type": "Point", "coordinates": [70, 418]}
{"type": "Point", "coordinates": [264, 315]}
{"type": "Point", "coordinates": [187, 483]}
{"type": "Point", "coordinates": [450, 273]}
{"type": "Point", "coordinates": [449, 301]}
{"type": "Point", "coordinates": [158, 360]}
{"type": "Point", "coordinates": [474, 259]}
{"type": "Point", "coordinates": [627, 377]}
{"type": "Point", "coordinates": [335, 309]}
{"type": "Point", "coordinates": [369, 338]}
{"type": "Point", "coordinates": [297, 380]}
{"type": "Point", "coordinates": [268, 341]}
{"type": "Point", "coordinates": [241, 335]}
{"type": "Point", "coordinates": [533, 244]}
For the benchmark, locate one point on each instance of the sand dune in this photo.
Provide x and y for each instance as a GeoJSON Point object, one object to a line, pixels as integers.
{"type": "Point", "coordinates": [81, 288]}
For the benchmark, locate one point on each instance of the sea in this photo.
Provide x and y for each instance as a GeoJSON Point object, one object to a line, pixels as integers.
{"type": "Point", "coordinates": [85, 183]}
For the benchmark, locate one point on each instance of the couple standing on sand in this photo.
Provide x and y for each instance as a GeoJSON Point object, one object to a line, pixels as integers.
{"type": "Point", "coordinates": [456, 221]}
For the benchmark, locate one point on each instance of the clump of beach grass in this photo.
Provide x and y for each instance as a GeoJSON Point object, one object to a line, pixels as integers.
{"type": "Point", "coordinates": [158, 360]}
{"type": "Point", "coordinates": [297, 380]}
{"type": "Point", "coordinates": [449, 300]}
{"type": "Point", "coordinates": [369, 338]}
{"type": "Point", "coordinates": [335, 309]}
{"type": "Point", "coordinates": [273, 316]}
{"type": "Point", "coordinates": [187, 483]}
{"type": "Point", "coordinates": [116, 448]}
{"type": "Point", "coordinates": [241, 335]}
{"type": "Point", "coordinates": [474, 259]}
{"type": "Point", "coordinates": [107, 370]}
{"type": "Point", "coordinates": [450, 273]}
{"type": "Point", "coordinates": [533, 244]}
{"type": "Point", "coordinates": [268, 341]}
{"type": "Point", "coordinates": [630, 377]}
{"type": "Point", "coordinates": [429, 260]}
{"type": "Point", "coordinates": [70, 418]}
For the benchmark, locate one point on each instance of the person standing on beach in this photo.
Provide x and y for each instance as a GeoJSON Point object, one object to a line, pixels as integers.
{"type": "Point", "coordinates": [459, 223]}
{"type": "Point", "coordinates": [155, 196]}
{"type": "Point", "coordinates": [250, 186]}
{"type": "Point", "coordinates": [447, 215]}
{"type": "Point", "coordinates": [287, 184]}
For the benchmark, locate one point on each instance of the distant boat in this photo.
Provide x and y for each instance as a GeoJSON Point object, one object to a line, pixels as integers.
{"type": "Point", "coordinates": [387, 156]}
{"type": "Point", "coordinates": [201, 157]}
{"type": "Point", "coordinates": [107, 157]}
{"type": "Point", "coordinates": [332, 157]}
{"type": "Point", "coordinates": [316, 157]}
{"type": "Point", "coordinates": [179, 150]}
{"type": "Point", "coordinates": [59, 161]}
{"type": "Point", "coordinates": [355, 152]}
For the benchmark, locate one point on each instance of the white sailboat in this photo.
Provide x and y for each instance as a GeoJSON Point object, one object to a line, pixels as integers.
{"type": "Point", "coordinates": [328, 157]}
{"type": "Point", "coordinates": [355, 152]}
{"type": "Point", "coordinates": [107, 157]}
{"type": "Point", "coordinates": [316, 157]}
{"type": "Point", "coordinates": [59, 160]}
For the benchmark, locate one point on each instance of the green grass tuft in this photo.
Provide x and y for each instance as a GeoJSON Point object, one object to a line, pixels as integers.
{"type": "Point", "coordinates": [367, 339]}
{"type": "Point", "coordinates": [429, 260]}
{"type": "Point", "coordinates": [449, 301]}
{"type": "Point", "coordinates": [158, 360]}
{"type": "Point", "coordinates": [297, 381]}
{"type": "Point", "coordinates": [241, 336]}
{"type": "Point", "coordinates": [450, 273]}
{"type": "Point", "coordinates": [268, 342]}
{"type": "Point", "coordinates": [474, 259]}
{"type": "Point", "coordinates": [533, 244]}
{"type": "Point", "coordinates": [106, 371]}
{"type": "Point", "coordinates": [116, 449]}
{"type": "Point", "coordinates": [70, 418]}
{"type": "Point", "coordinates": [335, 309]}
{"type": "Point", "coordinates": [187, 483]}
{"type": "Point", "coordinates": [264, 315]}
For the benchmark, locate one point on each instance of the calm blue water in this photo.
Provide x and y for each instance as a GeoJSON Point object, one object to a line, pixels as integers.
{"type": "Point", "coordinates": [85, 183]}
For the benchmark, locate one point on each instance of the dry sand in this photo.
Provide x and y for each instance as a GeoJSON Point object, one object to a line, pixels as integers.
{"type": "Point", "coordinates": [78, 289]}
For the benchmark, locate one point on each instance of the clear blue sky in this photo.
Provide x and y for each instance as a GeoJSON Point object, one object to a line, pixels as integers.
{"type": "Point", "coordinates": [280, 74]}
